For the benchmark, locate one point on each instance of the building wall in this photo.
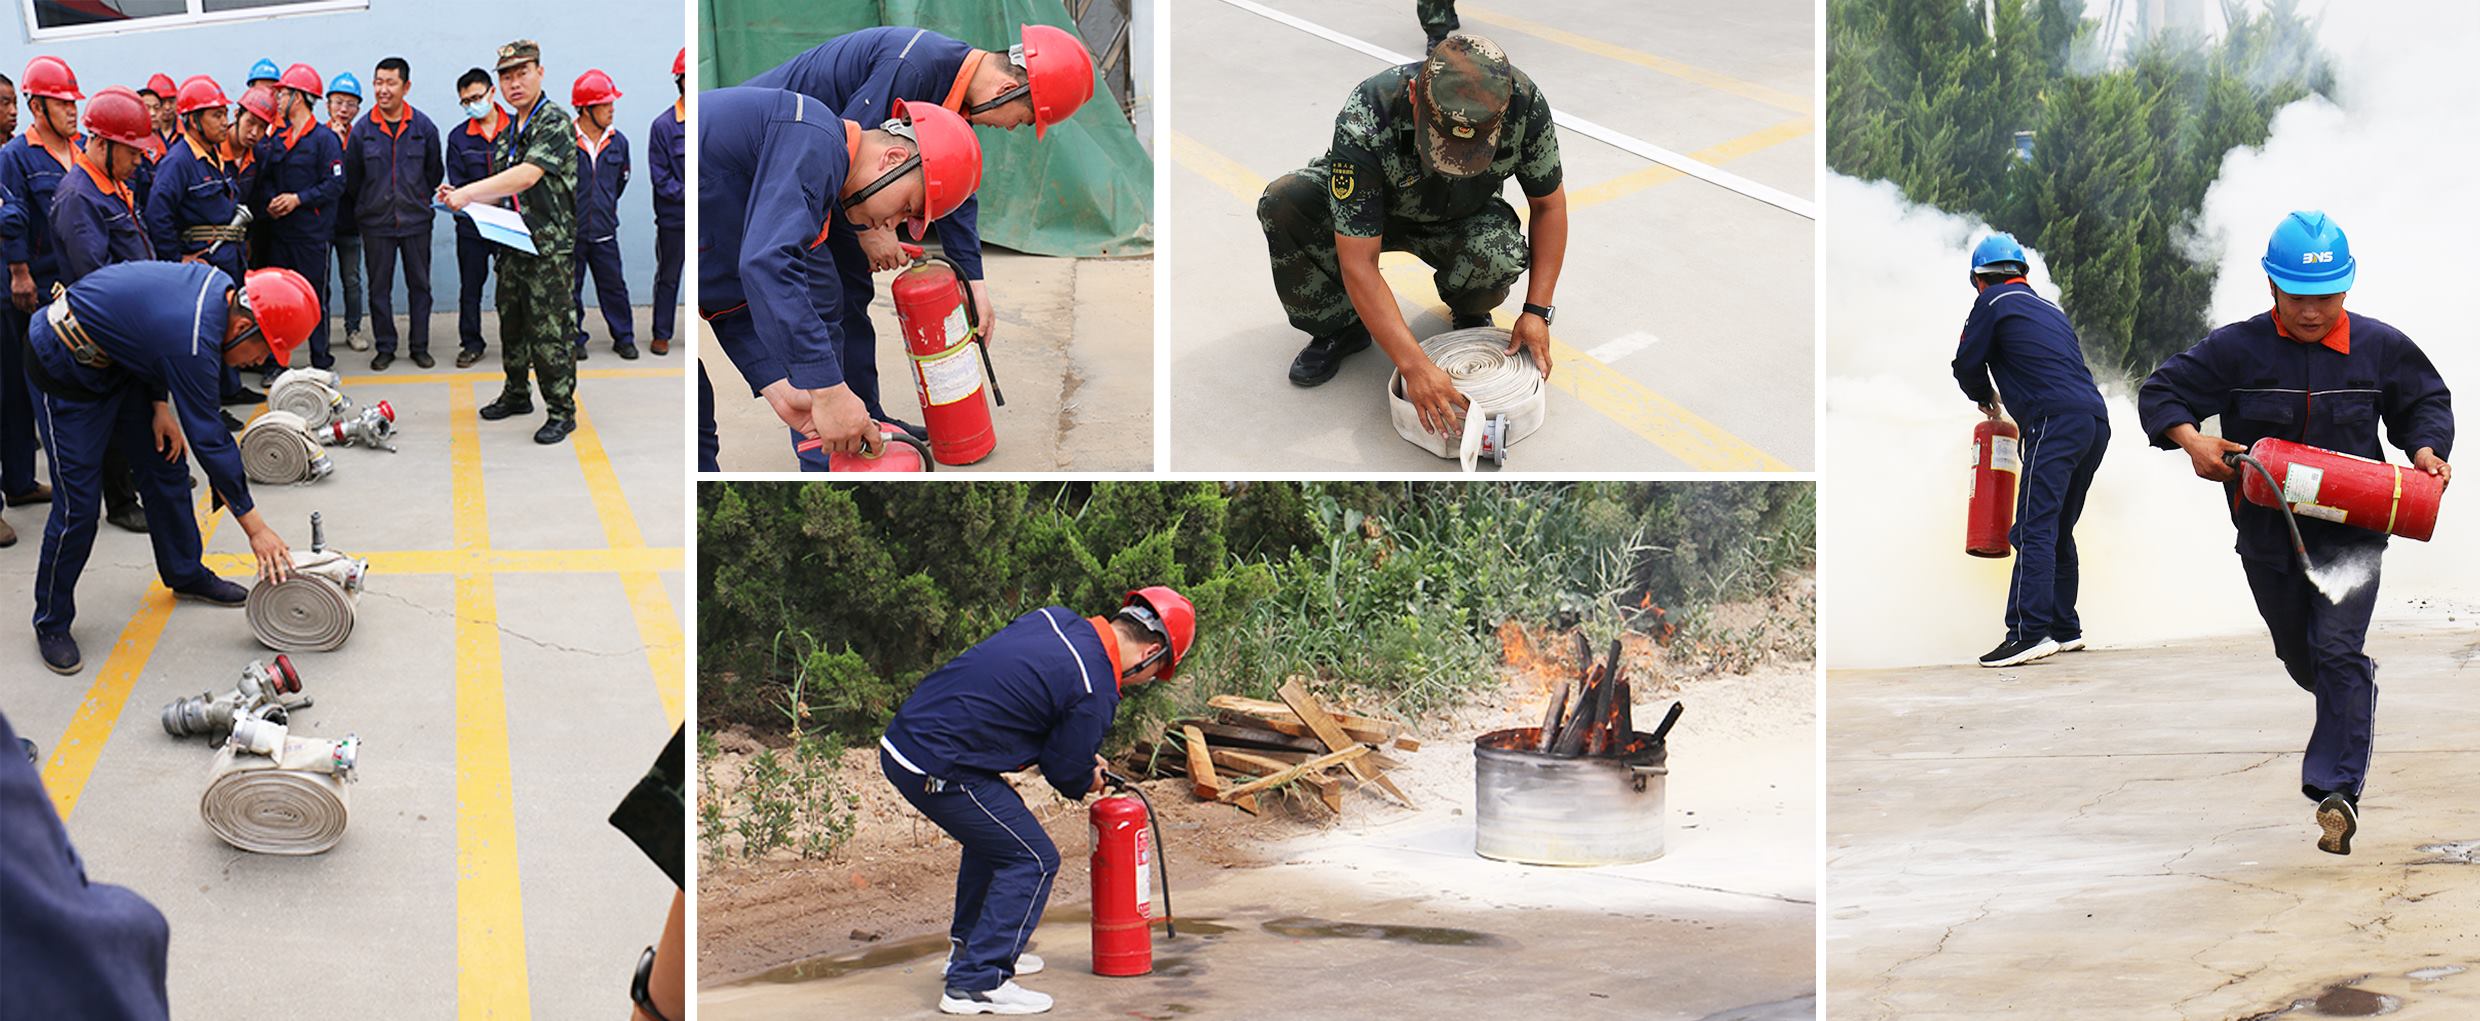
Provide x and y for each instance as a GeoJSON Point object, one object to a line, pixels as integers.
{"type": "Point", "coordinates": [632, 40]}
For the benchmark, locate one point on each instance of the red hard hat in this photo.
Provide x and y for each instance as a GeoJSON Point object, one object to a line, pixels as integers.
{"type": "Point", "coordinates": [199, 93]}
{"type": "Point", "coordinates": [951, 159]}
{"type": "Point", "coordinates": [161, 85]}
{"type": "Point", "coordinates": [1179, 620]}
{"type": "Point", "coordinates": [50, 76]}
{"type": "Point", "coordinates": [286, 309]}
{"type": "Point", "coordinates": [260, 101]}
{"type": "Point", "coordinates": [303, 78]}
{"type": "Point", "coordinates": [118, 114]}
{"type": "Point", "coordinates": [592, 87]}
{"type": "Point", "coordinates": [680, 61]}
{"type": "Point", "coordinates": [1058, 70]}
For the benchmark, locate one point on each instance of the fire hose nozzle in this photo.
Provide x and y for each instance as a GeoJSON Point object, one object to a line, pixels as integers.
{"type": "Point", "coordinates": [1494, 440]}
{"type": "Point", "coordinates": [264, 692]}
{"type": "Point", "coordinates": [318, 533]}
{"type": "Point", "coordinates": [347, 755]}
{"type": "Point", "coordinates": [374, 427]}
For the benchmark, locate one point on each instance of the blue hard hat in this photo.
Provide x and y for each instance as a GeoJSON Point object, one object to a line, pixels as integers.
{"type": "Point", "coordinates": [345, 83]}
{"type": "Point", "coordinates": [1997, 253]}
{"type": "Point", "coordinates": [266, 69]}
{"type": "Point", "coordinates": [2308, 254]}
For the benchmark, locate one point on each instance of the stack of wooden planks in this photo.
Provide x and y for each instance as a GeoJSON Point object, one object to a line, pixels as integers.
{"type": "Point", "coordinates": [1252, 746]}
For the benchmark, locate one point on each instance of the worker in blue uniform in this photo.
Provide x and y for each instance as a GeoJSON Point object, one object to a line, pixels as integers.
{"type": "Point", "coordinates": [1041, 80]}
{"type": "Point", "coordinates": [667, 168]}
{"type": "Point", "coordinates": [1041, 692]}
{"type": "Point", "coordinates": [197, 197]}
{"type": "Point", "coordinates": [602, 177]}
{"type": "Point", "coordinates": [468, 159]}
{"type": "Point", "coordinates": [72, 948]}
{"type": "Point", "coordinates": [392, 165]}
{"type": "Point", "coordinates": [2309, 372]}
{"type": "Point", "coordinates": [2023, 342]}
{"type": "Point", "coordinates": [128, 358]}
{"type": "Point", "coordinates": [300, 183]}
{"type": "Point", "coordinates": [31, 165]}
{"type": "Point", "coordinates": [782, 177]}
{"type": "Point", "coordinates": [344, 106]}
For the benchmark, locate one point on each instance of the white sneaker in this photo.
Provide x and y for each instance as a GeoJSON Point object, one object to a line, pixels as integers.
{"type": "Point", "coordinates": [354, 339]}
{"type": "Point", "coordinates": [2075, 644]}
{"type": "Point", "coordinates": [1009, 998]}
{"type": "Point", "coordinates": [1026, 964]}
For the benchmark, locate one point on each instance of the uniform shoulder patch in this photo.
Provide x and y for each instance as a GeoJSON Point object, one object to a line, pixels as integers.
{"type": "Point", "coordinates": [1343, 183]}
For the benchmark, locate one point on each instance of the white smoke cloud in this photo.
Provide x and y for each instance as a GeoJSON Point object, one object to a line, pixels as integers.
{"type": "Point", "coordinates": [2388, 157]}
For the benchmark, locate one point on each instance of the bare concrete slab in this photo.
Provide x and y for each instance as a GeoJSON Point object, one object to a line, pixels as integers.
{"type": "Point", "coordinates": [1073, 350]}
{"type": "Point", "coordinates": [1685, 309]}
{"type": "Point", "coordinates": [2120, 833]}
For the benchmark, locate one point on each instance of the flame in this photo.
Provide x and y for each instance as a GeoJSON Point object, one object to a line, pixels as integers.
{"type": "Point", "coordinates": [1526, 660]}
{"type": "Point", "coordinates": [1645, 602]}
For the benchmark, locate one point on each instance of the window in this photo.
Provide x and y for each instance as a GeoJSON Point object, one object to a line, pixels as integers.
{"type": "Point", "coordinates": [63, 19]}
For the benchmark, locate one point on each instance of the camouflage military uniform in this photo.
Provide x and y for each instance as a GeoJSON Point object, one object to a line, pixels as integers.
{"type": "Point", "coordinates": [536, 318]}
{"type": "Point", "coordinates": [1373, 183]}
{"type": "Point", "coordinates": [1438, 19]}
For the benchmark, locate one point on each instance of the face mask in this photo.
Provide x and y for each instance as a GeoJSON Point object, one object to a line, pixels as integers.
{"type": "Point", "coordinates": [478, 110]}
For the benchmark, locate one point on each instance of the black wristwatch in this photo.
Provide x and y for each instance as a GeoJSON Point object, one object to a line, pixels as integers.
{"type": "Point", "coordinates": [638, 993]}
{"type": "Point", "coordinates": [1543, 311]}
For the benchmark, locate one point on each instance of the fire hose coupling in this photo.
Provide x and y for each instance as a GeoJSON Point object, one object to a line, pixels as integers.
{"type": "Point", "coordinates": [1507, 396]}
{"type": "Point", "coordinates": [266, 691]}
{"type": "Point", "coordinates": [312, 394]}
{"type": "Point", "coordinates": [375, 427]}
{"type": "Point", "coordinates": [272, 793]}
{"type": "Point", "coordinates": [279, 448]}
{"type": "Point", "coordinates": [313, 609]}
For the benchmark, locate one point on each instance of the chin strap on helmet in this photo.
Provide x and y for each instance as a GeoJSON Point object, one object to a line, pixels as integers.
{"type": "Point", "coordinates": [1023, 88]}
{"type": "Point", "coordinates": [1143, 617]}
{"type": "Point", "coordinates": [241, 307]}
{"type": "Point", "coordinates": [897, 127]}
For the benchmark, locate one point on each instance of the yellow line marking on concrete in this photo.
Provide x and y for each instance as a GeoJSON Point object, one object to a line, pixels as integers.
{"type": "Point", "coordinates": [1716, 80]}
{"type": "Point", "coordinates": [1721, 152]}
{"type": "Point", "coordinates": [658, 625]}
{"type": "Point", "coordinates": [390, 563]}
{"type": "Point", "coordinates": [490, 911]}
{"type": "Point", "coordinates": [393, 378]}
{"type": "Point", "coordinates": [1634, 406]}
{"type": "Point", "coordinates": [81, 745]}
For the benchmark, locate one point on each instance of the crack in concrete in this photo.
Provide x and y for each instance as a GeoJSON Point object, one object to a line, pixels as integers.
{"type": "Point", "coordinates": [540, 643]}
{"type": "Point", "coordinates": [1886, 981]}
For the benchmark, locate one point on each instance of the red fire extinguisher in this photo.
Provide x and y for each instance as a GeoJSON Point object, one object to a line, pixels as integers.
{"type": "Point", "coordinates": [902, 453]}
{"type": "Point", "coordinates": [2355, 491]}
{"type": "Point", "coordinates": [1996, 460]}
{"type": "Point", "coordinates": [1123, 905]}
{"type": "Point", "coordinates": [936, 314]}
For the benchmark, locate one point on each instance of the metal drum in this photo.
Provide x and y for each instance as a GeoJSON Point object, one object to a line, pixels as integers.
{"type": "Point", "coordinates": [1575, 810]}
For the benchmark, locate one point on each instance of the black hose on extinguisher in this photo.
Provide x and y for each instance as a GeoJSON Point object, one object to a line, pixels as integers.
{"type": "Point", "coordinates": [2235, 459]}
{"type": "Point", "coordinates": [973, 321]}
{"type": "Point", "coordinates": [1162, 865]}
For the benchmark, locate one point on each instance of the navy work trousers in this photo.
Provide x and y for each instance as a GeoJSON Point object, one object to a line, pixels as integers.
{"type": "Point", "coordinates": [611, 291]}
{"type": "Point", "coordinates": [473, 269]}
{"type": "Point", "coordinates": [2319, 642]}
{"type": "Point", "coordinates": [1004, 878]}
{"type": "Point", "coordinates": [382, 253]}
{"type": "Point", "coordinates": [668, 259]}
{"type": "Point", "coordinates": [77, 433]}
{"type": "Point", "coordinates": [308, 258]}
{"type": "Point", "coordinates": [2060, 455]}
{"type": "Point", "coordinates": [16, 409]}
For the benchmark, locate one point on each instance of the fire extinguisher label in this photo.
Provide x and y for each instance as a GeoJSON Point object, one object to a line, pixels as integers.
{"type": "Point", "coordinates": [2005, 454]}
{"type": "Point", "coordinates": [951, 377]}
{"type": "Point", "coordinates": [2300, 483]}
{"type": "Point", "coordinates": [2317, 510]}
{"type": "Point", "coordinates": [1145, 863]}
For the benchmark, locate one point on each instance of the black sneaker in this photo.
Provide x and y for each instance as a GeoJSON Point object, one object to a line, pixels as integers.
{"type": "Point", "coordinates": [555, 430]}
{"type": "Point", "coordinates": [465, 359]}
{"type": "Point", "coordinates": [231, 425]}
{"type": "Point", "coordinates": [128, 517]}
{"type": "Point", "coordinates": [502, 407]}
{"type": "Point", "coordinates": [2338, 818]}
{"type": "Point", "coordinates": [60, 652]}
{"type": "Point", "coordinates": [33, 754]}
{"type": "Point", "coordinates": [628, 352]}
{"type": "Point", "coordinates": [2017, 651]}
{"type": "Point", "coordinates": [582, 353]}
{"type": "Point", "coordinates": [215, 591]}
{"type": "Point", "coordinates": [1318, 362]}
{"type": "Point", "coordinates": [1468, 320]}
{"type": "Point", "coordinates": [243, 397]}
{"type": "Point", "coordinates": [382, 360]}
{"type": "Point", "coordinates": [423, 359]}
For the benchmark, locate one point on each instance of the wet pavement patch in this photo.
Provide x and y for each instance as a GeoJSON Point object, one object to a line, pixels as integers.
{"type": "Point", "coordinates": [2460, 852]}
{"type": "Point", "coordinates": [1302, 927]}
{"type": "Point", "coordinates": [845, 964]}
{"type": "Point", "coordinates": [2341, 999]}
{"type": "Point", "coordinates": [2433, 973]}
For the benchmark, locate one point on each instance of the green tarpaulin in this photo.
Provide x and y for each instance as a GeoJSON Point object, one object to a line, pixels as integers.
{"type": "Point", "coordinates": [1086, 189]}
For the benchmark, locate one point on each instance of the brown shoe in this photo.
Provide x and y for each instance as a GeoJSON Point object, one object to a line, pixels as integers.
{"type": "Point", "coordinates": [660, 345]}
{"type": "Point", "coordinates": [41, 493]}
{"type": "Point", "coordinates": [8, 536]}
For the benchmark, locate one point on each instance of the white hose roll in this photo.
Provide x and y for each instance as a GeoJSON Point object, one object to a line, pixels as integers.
{"type": "Point", "coordinates": [309, 393]}
{"type": "Point", "coordinates": [312, 611]}
{"type": "Point", "coordinates": [1496, 383]}
{"type": "Point", "coordinates": [293, 803]}
{"type": "Point", "coordinates": [276, 448]}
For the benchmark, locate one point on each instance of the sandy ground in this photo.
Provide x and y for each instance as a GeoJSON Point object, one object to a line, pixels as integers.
{"type": "Point", "coordinates": [1299, 910]}
{"type": "Point", "coordinates": [2119, 833]}
{"type": "Point", "coordinates": [1074, 354]}
{"type": "Point", "coordinates": [1684, 337]}
{"type": "Point", "coordinates": [515, 666]}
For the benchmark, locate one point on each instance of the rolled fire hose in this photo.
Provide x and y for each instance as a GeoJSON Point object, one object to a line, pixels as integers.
{"type": "Point", "coordinates": [311, 611]}
{"type": "Point", "coordinates": [1497, 384]}
{"type": "Point", "coordinates": [271, 793]}
{"type": "Point", "coordinates": [311, 394]}
{"type": "Point", "coordinates": [276, 448]}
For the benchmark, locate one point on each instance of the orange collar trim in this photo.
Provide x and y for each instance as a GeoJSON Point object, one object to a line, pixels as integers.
{"type": "Point", "coordinates": [214, 157]}
{"type": "Point", "coordinates": [680, 110]}
{"type": "Point", "coordinates": [592, 146]}
{"type": "Point", "coordinates": [109, 186]}
{"type": "Point", "coordinates": [243, 158]}
{"type": "Point", "coordinates": [964, 76]}
{"type": "Point", "coordinates": [499, 119]}
{"type": "Point", "coordinates": [1110, 647]}
{"type": "Point", "coordinates": [2338, 338]}
{"type": "Point", "coordinates": [852, 155]}
{"type": "Point", "coordinates": [64, 150]}
{"type": "Point", "coordinates": [294, 133]}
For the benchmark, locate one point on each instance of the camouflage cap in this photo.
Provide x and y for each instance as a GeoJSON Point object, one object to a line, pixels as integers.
{"type": "Point", "coordinates": [1463, 90]}
{"type": "Point", "coordinates": [521, 52]}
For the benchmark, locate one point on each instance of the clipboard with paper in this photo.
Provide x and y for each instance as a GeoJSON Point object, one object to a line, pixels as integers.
{"type": "Point", "coordinates": [499, 225]}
